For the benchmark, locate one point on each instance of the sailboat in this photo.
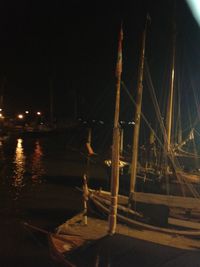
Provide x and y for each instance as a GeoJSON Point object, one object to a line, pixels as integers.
{"type": "Point", "coordinates": [176, 209]}
{"type": "Point", "coordinates": [180, 181]}
{"type": "Point", "coordinates": [91, 239]}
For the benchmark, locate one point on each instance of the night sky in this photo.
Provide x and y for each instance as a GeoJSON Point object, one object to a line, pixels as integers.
{"type": "Point", "coordinates": [70, 48]}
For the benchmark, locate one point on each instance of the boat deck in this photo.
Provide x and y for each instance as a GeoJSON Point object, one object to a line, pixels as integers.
{"type": "Point", "coordinates": [76, 244]}
{"type": "Point", "coordinates": [98, 228]}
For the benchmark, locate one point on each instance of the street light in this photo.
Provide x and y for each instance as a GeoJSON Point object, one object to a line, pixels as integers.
{"type": "Point", "coordinates": [20, 116]}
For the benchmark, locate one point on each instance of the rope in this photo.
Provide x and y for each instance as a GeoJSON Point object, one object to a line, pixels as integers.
{"type": "Point", "coordinates": [171, 154]}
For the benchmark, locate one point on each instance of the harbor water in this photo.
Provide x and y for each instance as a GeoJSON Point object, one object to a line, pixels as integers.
{"type": "Point", "coordinates": [38, 179]}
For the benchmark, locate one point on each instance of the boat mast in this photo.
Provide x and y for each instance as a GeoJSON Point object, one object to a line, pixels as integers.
{"type": "Point", "coordinates": [2, 93]}
{"type": "Point", "coordinates": [115, 145]}
{"type": "Point", "coordinates": [51, 102]}
{"type": "Point", "coordinates": [138, 113]}
{"type": "Point", "coordinates": [179, 126]}
{"type": "Point", "coordinates": [171, 94]}
{"type": "Point", "coordinates": [121, 141]}
{"type": "Point", "coordinates": [1, 101]}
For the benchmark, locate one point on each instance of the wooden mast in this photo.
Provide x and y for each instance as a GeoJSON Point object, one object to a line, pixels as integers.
{"type": "Point", "coordinates": [115, 145]}
{"type": "Point", "coordinates": [2, 93]}
{"type": "Point", "coordinates": [51, 102]}
{"type": "Point", "coordinates": [138, 113]}
{"type": "Point", "coordinates": [171, 94]}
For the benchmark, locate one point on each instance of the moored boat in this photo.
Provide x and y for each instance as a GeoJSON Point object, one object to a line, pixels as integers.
{"type": "Point", "coordinates": [110, 226]}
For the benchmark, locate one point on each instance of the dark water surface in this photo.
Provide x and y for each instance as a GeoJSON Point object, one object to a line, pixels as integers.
{"type": "Point", "coordinates": [27, 195]}
{"type": "Point", "coordinates": [38, 179]}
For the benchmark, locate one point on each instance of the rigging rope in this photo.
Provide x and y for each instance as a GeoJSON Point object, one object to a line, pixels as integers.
{"type": "Point", "coordinates": [182, 180]}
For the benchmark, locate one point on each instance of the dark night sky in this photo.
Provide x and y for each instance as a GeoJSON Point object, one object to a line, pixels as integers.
{"type": "Point", "coordinates": [72, 45]}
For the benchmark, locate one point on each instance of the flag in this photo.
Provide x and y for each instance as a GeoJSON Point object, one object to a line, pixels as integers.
{"type": "Point", "coordinates": [119, 56]}
{"type": "Point", "coordinates": [89, 149]}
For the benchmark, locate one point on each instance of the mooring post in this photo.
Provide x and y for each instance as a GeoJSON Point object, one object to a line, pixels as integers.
{"type": "Point", "coordinates": [85, 199]}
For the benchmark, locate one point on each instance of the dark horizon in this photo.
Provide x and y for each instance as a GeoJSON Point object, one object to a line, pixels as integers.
{"type": "Point", "coordinates": [72, 48]}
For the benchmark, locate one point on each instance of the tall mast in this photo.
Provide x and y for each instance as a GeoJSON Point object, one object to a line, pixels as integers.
{"type": "Point", "coordinates": [115, 145]}
{"type": "Point", "coordinates": [1, 101]}
{"type": "Point", "coordinates": [171, 94]}
{"type": "Point", "coordinates": [51, 101]}
{"type": "Point", "coordinates": [75, 105]}
{"type": "Point", "coordinates": [2, 93]}
{"type": "Point", "coordinates": [178, 122]}
{"type": "Point", "coordinates": [138, 112]}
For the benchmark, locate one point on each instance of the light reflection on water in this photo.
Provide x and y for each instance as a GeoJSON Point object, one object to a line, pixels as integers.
{"type": "Point", "coordinates": [37, 164]}
{"type": "Point", "coordinates": [19, 165]}
{"type": "Point", "coordinates": [25, 195]}
{"type": "Point", "coordinates": [22, 165]}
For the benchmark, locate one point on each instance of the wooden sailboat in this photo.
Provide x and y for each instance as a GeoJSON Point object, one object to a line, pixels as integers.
{"type": "Point", "coordinates": [89, 239]}
{"type": "Point", "coordinates": [175, 209]}
{"type": "Point", "coordinates": [179, 180]}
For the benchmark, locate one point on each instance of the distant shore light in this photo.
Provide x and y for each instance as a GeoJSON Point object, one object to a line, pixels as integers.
{"type": "Point", "coordinates": [38, 113]}
{"type": "Point", "coordinates": [20, 116]}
